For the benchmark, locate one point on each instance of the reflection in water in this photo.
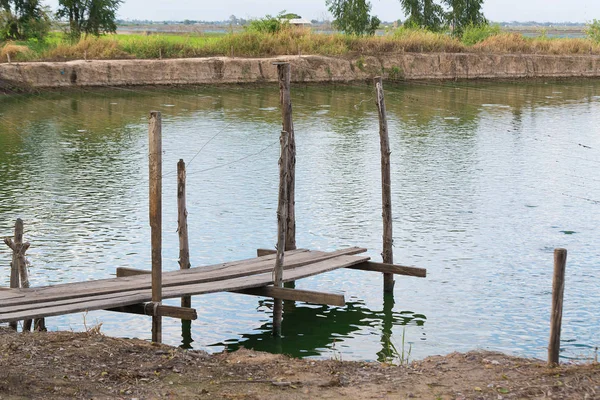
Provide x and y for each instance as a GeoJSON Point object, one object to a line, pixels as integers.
{"type": "Point", "coordinates": [186, 334]}
{"type": "Point", "coordinates": [307, 330]}
{"type": "Point", "coordinates": [487, 179]}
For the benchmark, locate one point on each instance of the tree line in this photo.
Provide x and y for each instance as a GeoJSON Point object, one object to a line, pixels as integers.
{"type": "Point", "coordinates": [30, 19]}
{"type": "Point", "coordinates": [353, 16]}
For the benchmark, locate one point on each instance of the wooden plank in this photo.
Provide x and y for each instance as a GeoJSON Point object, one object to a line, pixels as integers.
{"type": "Point", "coordinates": [123, 300]}
{"type": "Point", "coordinates": [265, 252]}
{"type": "Point", "coordinates": [79, 289]}
{"type": "Point", "coordinates": [175, 278]}
{"type": "Point", "coordinates": [390, 269]}
{"type": "Point", "coordinates": [160, 310]}
{"type": "Point", "coordinates": [307, 296]}
{"type": "Point", "coordinates": [65, 302]}
{"type": "Point", "coordinates": [123, 272]}
{"type": "Point", "coordinates": [323, 266]}
{"type": "Point", "coordinates": [140, 296]}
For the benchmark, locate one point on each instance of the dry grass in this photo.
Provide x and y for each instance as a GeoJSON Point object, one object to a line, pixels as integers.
{"type": "Point", "coordinates": [516, 43]}
{"type": "Point", "coordinates": [90, 48]}
{"type": "Point", "coordinates": [15, 50]}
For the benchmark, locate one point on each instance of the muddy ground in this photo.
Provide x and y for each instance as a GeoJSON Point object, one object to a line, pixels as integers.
{"type": "Point", "coordinates": [89, 365]}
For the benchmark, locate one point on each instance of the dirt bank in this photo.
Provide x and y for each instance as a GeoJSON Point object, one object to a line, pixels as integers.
{"type": "Point", "coordinates": [216, 70]}
{"type": "Point", "coordinates": [60, 365]}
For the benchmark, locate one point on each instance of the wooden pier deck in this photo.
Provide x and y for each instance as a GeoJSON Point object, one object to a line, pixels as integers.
{"type": "Point", "coordinates": [142, 291]}
{"type": "Point", "coordinates": [238, 276]}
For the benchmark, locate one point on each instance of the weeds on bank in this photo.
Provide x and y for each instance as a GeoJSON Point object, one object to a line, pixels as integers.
{"type": "Point", "coordinates": [92, 330]}
{"type": "Point", "coordinates": [397, 356]}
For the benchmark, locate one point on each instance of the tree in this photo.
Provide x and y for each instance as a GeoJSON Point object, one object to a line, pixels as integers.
{"type": "Point", "coordinates": [465, 13]}
{"type": "Point", "coordinates": [423, 14]}
{"type": "Point", "coordinates": [285, 15]}
{"type": "Point", "coordinates": [23, 19]}
{"type": "Point", "coordinates": [352, 16]}
{"type": "Point", "coordinates": [89, 17]}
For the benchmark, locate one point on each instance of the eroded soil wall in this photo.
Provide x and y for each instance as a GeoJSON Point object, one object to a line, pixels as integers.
{"type": "Point", "coordinates": [216, 70]}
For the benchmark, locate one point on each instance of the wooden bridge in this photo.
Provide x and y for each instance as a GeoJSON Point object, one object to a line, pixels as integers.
{"type": "Point", "coordinates": [142, 291]}
{"type": "Point", "coordinates": [130, 291]}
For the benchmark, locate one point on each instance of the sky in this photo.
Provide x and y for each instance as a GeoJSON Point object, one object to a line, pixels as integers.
{"type": "Point", "coordinates": [386, 10]}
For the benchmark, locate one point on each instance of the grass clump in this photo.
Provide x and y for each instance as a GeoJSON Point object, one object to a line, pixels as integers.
{"type": "Point", "coordinates": [421, 40]}
{"type": "Point", "coordinates": [516, 43]}
{"type": "Point", "coordinates": [88, 48]}
{"type": "Point", "coordinates": [15, 52]}
{"type": "Point", "coordinates": [474, 34]}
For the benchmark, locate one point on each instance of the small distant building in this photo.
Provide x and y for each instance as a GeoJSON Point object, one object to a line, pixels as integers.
{"type": "Point", "coordinates": [299, 22]}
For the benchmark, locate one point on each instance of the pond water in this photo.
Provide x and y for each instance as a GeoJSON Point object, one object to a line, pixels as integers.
{"type": "Point", "coordinates": [487, 179]}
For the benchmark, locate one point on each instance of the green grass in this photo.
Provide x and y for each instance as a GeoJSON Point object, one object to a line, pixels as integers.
{"type": "Point", "coordinates": [288, 42]}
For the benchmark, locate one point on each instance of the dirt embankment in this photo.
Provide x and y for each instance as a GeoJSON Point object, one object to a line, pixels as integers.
{"type": "Point", "coordinates": [59, 365]}
{"type": "Point", "coordinates": [216, 70]}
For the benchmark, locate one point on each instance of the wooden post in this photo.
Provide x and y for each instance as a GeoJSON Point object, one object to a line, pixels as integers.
{"type": "Point", "coordinates": [18, 265]}
{"type": "Point", "coordinates": [558, 289]}
{"type": "Point", "coordinates": [285, 76]}
{"type": "Point", "coordinates": [386, 189]}
{"type": "Point", "coordinates": [155, 196]}
{"type": "Point", "coordinates": [281, 231]}
{"type": "Point", "coordinates": [22, 263]}
{"type": "Point", "coordinates": [182, 227]}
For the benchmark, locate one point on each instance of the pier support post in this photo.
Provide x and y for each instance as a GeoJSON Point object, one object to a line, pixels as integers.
{"type": "Point", "coordinates": [558, 290]}
{"type": "Point", "coordinates": [18, 267]}
{"type": "Point", "coordinates": [284, 73]}
{"type": "Point", "coordinates": [182, 226]}
{"type": "Point", "coordinates": [386, 191]}
{"type": "Point", "coordinates": [281, 231]}
{"type": "Point", "coordinates": [155, 196]}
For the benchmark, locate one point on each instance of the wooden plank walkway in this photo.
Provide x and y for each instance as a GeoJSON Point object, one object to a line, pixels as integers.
{"type": "Point", "coordinates": [19, 304]}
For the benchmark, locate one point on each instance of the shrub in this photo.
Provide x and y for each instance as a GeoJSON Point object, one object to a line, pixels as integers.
{"type": "Point", "coordinates": [474, 34]}
{"type": "Point", "coordinates": [593, 30]}
{"type": "Point", "coordinates": [267, 24]}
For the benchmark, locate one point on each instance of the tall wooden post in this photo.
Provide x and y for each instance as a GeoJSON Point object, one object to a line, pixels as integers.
{"type": "Point", "coordinates": [284, 73]}
{"type": "Point", "coordinates": [558, 290]}
{"type": "Point", "coordinates": [155, 172]}
{"type": "Point", "coordinates": [18, 266]}
{"type": "Point", "coordinates": [182, 227]}
{"type": "Point", "coordinates": [14, 272]}
{"type": "Point", "coordinates": [281, 230]}
{"type": "Point", "coordinates": [386, 188]}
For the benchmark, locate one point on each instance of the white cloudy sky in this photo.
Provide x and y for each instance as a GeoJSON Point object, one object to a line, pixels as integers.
{"type": "Point", "coordinates": [387, 10]}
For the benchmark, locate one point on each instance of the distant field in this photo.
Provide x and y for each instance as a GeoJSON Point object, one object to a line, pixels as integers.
{"type": "Point", "coordinates": [552, 32]}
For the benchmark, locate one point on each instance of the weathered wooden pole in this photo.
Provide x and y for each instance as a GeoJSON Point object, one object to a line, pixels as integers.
{"type": "Point", "coordinates": [22, 262]}
{"type": "Point", "coordinates": [558, 290]}
{"type": "Point", "coordinates": [14, 272]}
{"type": "Point", "coordinates": [182, 227]}
{"type": "Point", "coordinates": [155, 196]}
{"type": "Point", "coordinates": [18, 270]}
{"type": "Point", "coordinates": [284, 73]}
{"type": "Point", "coordinates": [281, 230]}
{"type": "Point", "coordinates": [386, 188]}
